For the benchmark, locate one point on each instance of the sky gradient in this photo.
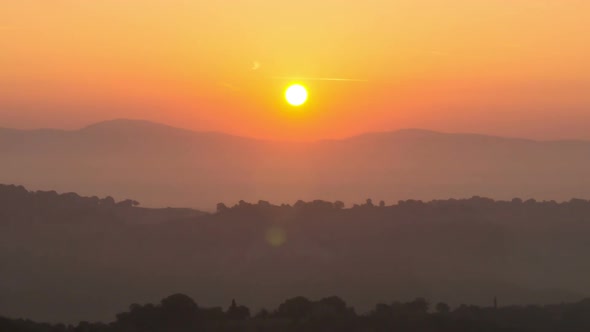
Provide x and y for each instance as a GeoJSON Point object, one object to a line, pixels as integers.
{"type": "Point", "coordinates": [513, 68]}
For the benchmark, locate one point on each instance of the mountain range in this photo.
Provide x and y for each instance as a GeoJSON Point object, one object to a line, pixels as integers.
{"type": "Point", "coordinates": [159, 165]}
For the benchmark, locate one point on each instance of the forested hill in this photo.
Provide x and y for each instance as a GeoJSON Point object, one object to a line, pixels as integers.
{"type": "Point", "coordinates": [19, 205]}
{"type": "Point", "coordinates": [68, 258]}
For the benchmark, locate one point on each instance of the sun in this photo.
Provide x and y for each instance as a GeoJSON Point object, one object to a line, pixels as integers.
{"type": "Point", "coordinates": [296, 94]}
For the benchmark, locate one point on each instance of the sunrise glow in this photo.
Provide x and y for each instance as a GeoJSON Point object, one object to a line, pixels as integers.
{"type": "Point", "coordinates": [296, 95]}
{"type": "Point", "coordinates": [457, 65]}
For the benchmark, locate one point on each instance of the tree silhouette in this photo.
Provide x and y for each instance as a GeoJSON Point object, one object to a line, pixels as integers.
{"type": "Point", "coordinates": [235, 312]}
{"type": "Point", "coordinates": [295, 308]}
{"type": "Point", "coordinates": [443, 308]}
{"type": "Point", "coordinates": [179, 313]}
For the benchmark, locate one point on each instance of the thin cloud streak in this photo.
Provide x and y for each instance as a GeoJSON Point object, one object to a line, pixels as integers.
{"type": "Point", "coordinates": [318, 79]}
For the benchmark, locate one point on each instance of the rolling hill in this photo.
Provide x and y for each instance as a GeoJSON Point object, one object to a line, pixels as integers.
{"type": "Point", "coordinates": [68, 258]}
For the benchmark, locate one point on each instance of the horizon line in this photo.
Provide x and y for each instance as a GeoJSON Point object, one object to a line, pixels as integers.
{"type": "Point", "coordinates": [432, 131]}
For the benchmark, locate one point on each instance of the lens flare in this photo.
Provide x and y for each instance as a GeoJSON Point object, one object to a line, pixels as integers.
{"type": "Point", "coordinates": [275, 236]}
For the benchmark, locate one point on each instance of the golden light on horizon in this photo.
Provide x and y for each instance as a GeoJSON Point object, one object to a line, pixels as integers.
{"type": "Point", "coordinates": [296, 95]}
{"type": "Point", "coordinates": [368, 66]}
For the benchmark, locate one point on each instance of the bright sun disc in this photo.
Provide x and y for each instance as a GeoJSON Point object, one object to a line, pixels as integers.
{"type": "Point", "coordinates": [296, 94]}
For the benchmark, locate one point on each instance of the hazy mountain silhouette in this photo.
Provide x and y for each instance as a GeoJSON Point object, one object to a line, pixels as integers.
{"type": "Point", "coordinates": [69, 258]}
{"type": "Point", "coordinates": [161, 165]}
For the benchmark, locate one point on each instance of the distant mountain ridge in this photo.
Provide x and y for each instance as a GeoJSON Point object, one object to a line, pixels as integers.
{"type": "Point", "coordinates": [163, 165]}
{"type": "Point", "coordinates": [125, 124]}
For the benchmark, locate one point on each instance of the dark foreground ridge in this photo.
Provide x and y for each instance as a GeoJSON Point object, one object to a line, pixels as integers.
{"type": "Point", "coordinates": [180, 313]}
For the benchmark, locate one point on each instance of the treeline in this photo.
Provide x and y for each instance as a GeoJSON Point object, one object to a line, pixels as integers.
{"type": "Point", "coordinates": [13, 196]}
{"type": "Point", "coordinates": [482, 204]}
{"type": "Point", "coordinates": [21, 206]}
{"type": "Point", "coordinates": [180, 313]}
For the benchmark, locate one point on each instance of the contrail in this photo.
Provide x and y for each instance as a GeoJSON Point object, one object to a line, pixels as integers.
{"type": "Point", "coordinates": [318, 79]}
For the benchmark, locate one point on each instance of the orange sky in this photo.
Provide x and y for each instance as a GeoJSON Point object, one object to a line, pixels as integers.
{"type": "Point", "coordinates": [506, 67]}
